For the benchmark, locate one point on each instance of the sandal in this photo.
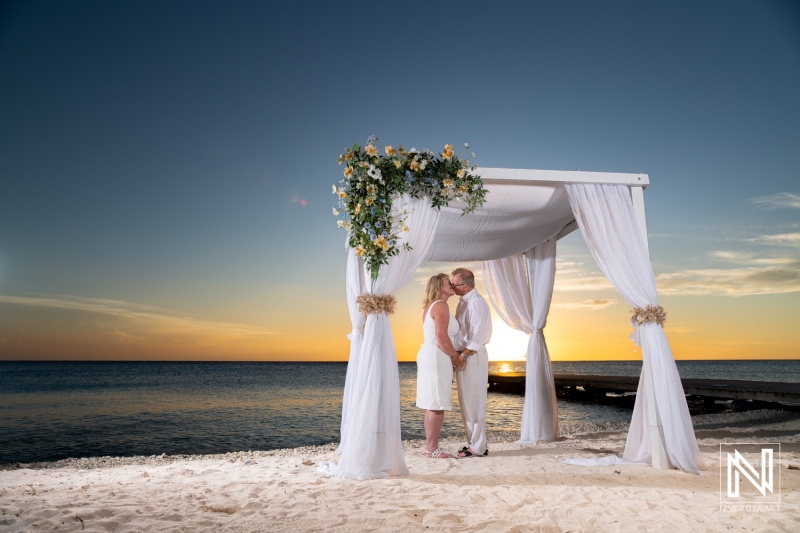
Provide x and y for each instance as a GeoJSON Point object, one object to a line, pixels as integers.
{"type": "Point", "coordinates": [468, 453]}
{"type": "Point", "coordinates": [438, 453]}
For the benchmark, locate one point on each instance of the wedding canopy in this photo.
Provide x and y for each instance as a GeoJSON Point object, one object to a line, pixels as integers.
{"type": "Point", "coordinates": [514, 236]}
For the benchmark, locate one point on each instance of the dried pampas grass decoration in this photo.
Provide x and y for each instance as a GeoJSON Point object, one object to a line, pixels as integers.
{"type": "Point", "coordinates": [369, 303]}
{"type": "Point", "coordinates": [649, 315]}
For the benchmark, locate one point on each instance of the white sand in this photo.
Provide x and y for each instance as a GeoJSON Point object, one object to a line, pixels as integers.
{"type": "Point", "coordinates": [516, 489]}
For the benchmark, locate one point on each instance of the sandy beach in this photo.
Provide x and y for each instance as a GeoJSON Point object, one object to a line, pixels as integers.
{"type": "Point", "coordinates": [516, 488]}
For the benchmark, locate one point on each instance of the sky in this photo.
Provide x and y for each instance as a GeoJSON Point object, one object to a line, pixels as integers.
{"type": "Point", "coordinates": [166, 167]}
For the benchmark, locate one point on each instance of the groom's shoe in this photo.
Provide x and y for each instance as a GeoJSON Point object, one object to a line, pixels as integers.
{"type": "Point", "coordinates": [465, 448]}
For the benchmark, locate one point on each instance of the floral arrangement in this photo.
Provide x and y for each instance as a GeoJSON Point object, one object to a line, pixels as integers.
{"type": "Point", "coordinates": [372, 181]}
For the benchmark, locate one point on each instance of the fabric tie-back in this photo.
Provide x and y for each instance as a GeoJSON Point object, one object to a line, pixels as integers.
{"type": "Point", "coordinates": [608, 224]}
{"type": "Point", "coordinates": [371, 444]}
{"type": "Point", "coordinates": [510, 282]}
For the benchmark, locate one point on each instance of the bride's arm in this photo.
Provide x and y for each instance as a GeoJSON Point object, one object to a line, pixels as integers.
{"type": "Point", "coordinates": [441, 318]}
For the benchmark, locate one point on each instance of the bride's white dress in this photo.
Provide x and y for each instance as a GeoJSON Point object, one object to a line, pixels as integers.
{"type": "Point", "coordinates": [434, 367]}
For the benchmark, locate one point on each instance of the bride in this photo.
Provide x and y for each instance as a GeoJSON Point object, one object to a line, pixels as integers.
{"type": "Point", "coordinates": [436, 360]}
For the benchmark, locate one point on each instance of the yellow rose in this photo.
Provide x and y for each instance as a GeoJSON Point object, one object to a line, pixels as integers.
{"type": "Point", "coordinates": [369, 201]}
{"type": "Point", "coordinates": [414, 165]}
{"type": "Point", "coordinates": [357, 209]}
{"type": "Point", "coordinates": [370, 189]}
{"type": "Point", "coordinates": [460, 173]}
{"type": "Point", "coordinates": [397, 163]}
{"type": "Point", "coordinates": [359, 250]}
{"type": "Point", "coordinates": [381, 242]}
{"type": "Point", "coordinates": [348, 156]}
{"type": "Point", "coordinates": [448, 151]}
{"type": "Point", "coordinates": [390, 151]}
{"type": "Point", "coordinates": [342, 194]}
{"type": "Point", "coordinates": [371, 150]}
{"type": "Point", "coordinates": [447, 183]}
{"type": "Point", "coordinates": [348, 171]}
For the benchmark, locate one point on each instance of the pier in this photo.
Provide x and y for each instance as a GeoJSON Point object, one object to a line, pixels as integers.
{"type": "Point", "coordinates": [615, 389]}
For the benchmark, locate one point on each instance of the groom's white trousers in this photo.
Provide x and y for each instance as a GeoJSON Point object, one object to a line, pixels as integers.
{"type": "Point", "coordinates": [472, 383]}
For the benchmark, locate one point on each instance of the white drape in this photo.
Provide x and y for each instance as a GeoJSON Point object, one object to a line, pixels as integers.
{"type": "Point", "coordinates": [354, 286]}
{"type": "Point", "coordinates": [608, 224]}
{"type": "Point", "coordinates": [509, 288]}
{"type": "Point", "coordinates": [371, 444]}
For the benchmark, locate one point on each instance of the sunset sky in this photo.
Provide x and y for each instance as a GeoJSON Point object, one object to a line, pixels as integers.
{"type": "Point", "coordinates": [166, 167]}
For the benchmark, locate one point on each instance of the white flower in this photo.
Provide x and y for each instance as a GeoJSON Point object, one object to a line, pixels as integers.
{"type": "Point", "coordinates": [333, 191]}
{"type": "Point", "coordinates": [340, 223]}
{"type": "Point", "coordinates": [466, 145]}
{"type": "Point", "coordinates": [413, 151]}
{"type": "Point", "coordinates": [374, 172]}
{"type": "Point", "coordinates": [335, 212]}
{"type": "Point", "coordinates": [422, 164]}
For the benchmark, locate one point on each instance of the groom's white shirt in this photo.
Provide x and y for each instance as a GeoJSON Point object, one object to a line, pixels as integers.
{"type": "Point", "coordinates": [474, 322]}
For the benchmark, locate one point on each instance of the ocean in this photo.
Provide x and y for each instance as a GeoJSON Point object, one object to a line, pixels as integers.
{"type": "Point", "coordinates": [56, 410]}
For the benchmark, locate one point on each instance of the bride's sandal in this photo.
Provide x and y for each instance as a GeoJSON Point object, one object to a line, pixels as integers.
{"type": "Point", "coordinates": [438, 453]}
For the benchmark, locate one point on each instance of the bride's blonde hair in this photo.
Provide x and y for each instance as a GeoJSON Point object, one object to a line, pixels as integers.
{"type": "Point", "coordinates": [433, 291]}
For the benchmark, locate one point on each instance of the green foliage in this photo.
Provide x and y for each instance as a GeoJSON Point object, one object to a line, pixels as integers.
{"type": "Point", "coordinates": [373, 182]}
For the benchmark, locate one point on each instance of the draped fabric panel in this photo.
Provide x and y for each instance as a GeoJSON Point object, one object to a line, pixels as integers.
{"type": "Point", "coordinates": [371, 444]}
{"type": "Point", "coordinates": [608, 224]}
{"type": "Point", "coordinates": [515, 218]}
{"type": "Point", "coordinates": [355, 285]}
{"type": "Point", "coordinates": [509, 291]}
{"type": "Point", "coordinates": [507, 282]}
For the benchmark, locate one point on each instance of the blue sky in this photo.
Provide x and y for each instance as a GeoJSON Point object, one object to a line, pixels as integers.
{"type": "Point", "coordinates": [166, 166]}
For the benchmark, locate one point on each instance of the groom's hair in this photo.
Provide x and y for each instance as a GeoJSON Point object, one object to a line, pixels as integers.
{"type": "Point", "coordinates": [467, 277]}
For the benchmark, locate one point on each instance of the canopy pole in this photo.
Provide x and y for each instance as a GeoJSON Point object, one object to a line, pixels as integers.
{"type": "Point", "coordinates": [658, 451]}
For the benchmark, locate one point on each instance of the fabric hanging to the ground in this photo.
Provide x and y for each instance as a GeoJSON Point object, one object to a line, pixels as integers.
{"type": "Point", "coordinates": [372, 446]}
{"type": "Point", "coordinates": [608, 224]}
{"type": "Point", "coordinates": [510, 283]}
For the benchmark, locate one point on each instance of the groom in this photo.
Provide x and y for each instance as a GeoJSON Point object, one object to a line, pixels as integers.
{"type": "Point", "coordinates": [474, 332]}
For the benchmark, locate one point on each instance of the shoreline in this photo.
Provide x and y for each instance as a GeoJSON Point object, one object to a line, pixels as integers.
{"type": "Point", "coordinates": [516, 488]}
{"type": "Point", "coordinates": [701, 422]}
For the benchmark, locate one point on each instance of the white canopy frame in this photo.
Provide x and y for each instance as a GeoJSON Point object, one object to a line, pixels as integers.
{"type": "Point", "coordinates": [525, 208]}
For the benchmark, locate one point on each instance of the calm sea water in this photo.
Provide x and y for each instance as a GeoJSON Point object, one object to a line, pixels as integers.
{"type": "Point", "coordinates": [51, 411]}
